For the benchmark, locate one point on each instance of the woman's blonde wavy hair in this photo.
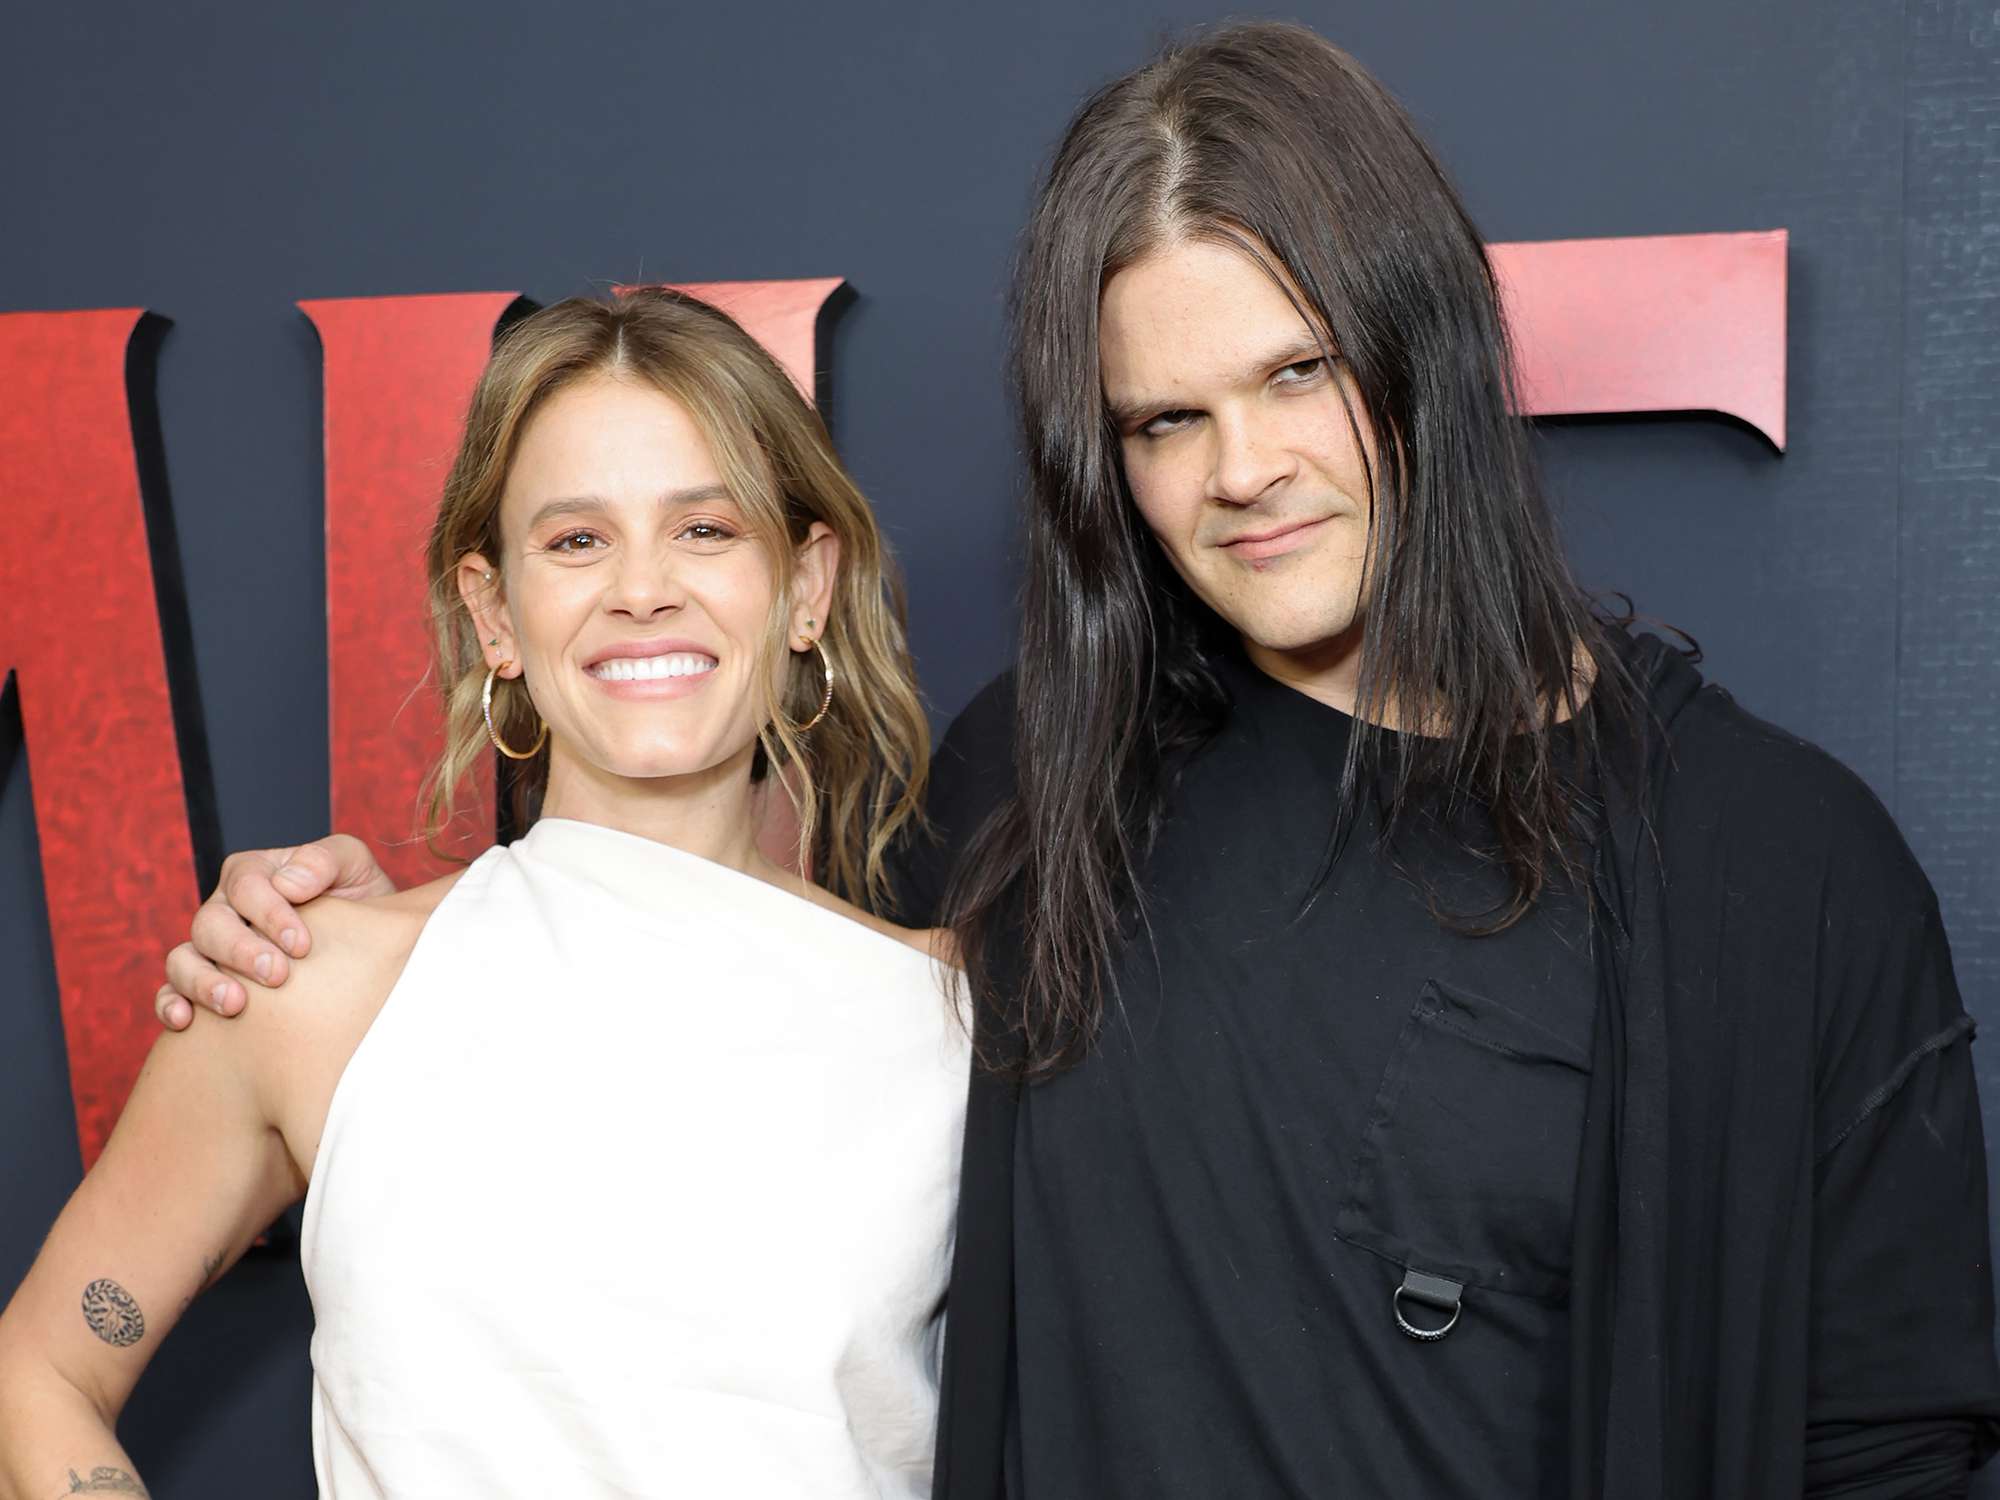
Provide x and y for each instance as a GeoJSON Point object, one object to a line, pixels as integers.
{"type": "Point", "coordinates": [857, 780]}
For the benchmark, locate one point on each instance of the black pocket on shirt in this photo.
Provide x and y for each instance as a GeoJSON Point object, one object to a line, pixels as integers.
{"type": "Point", "coordinates": [1467, 1163]}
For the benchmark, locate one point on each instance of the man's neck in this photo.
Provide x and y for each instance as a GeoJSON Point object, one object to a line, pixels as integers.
{"type": "Point", "coordinates": [1328, 671]}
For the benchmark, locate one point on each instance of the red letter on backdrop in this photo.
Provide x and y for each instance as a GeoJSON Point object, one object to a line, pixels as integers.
{"type": "Point", "coordinates": [399, 371]}
{"type": "Point", "coordinates": [780, 315]}
{"type": "Point", "coordinates": [110, 809]}
{"type": "Point", "coordinates": [1671, 322]}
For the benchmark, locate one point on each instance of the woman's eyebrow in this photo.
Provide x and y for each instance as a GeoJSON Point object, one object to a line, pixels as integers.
{"type": "Point", "coordinates": [694, 494]}
{"type": "Point", "coordinates": [567, 505]}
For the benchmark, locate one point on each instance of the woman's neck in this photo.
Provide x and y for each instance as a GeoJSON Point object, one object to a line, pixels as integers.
{"type": "Point", "coordinates": [714, 814]}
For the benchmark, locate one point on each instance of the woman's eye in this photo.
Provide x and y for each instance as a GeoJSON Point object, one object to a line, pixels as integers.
{"type": "Point", "coordinates": [1300, 373]}
{"type": "Point", "coordinates": [706, 531]}
{"type": "Point", "coordinates": [574, 542]}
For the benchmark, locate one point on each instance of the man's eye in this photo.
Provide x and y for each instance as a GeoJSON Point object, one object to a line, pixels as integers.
{"type": "Point", "coordinates": [1166, 422]}
{"type": "Point", "coordinates": [1300, 373]}
{"type": "Point", "coordinates": [573, 542]}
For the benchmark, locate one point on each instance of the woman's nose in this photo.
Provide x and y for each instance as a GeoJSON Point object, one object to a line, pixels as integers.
{"type": "Point", "coordinates": [646, 585]}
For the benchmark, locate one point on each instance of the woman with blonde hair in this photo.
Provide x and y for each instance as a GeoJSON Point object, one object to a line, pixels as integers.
{"type": "Point", "coordinates": [683, 1227]}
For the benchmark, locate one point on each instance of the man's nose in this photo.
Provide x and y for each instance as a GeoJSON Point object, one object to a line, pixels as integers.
{"type": "Point", "coordinates": [1247, 460]}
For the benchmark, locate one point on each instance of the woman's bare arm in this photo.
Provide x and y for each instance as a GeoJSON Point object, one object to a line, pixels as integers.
{"type": "Point", "coordinates": [159, 1217]}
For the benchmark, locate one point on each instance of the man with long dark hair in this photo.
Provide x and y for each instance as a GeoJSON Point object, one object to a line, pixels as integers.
{"type": "Point", "coordinates": [1433, 1043]}
{"type": "Point", "coordinates": [1464, 1054]}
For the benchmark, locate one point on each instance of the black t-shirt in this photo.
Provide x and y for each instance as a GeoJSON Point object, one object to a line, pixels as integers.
{"type": "Point", "coordinates": [1176, 1263]}
{"type": "Point", "coordinates": [1293, 1105]}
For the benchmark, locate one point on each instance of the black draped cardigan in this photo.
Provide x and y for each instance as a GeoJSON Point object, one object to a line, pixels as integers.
{"type": "Point", "coordinates": [1780, 1281]}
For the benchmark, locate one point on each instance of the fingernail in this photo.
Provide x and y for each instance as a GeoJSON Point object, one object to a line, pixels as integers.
{"type": "Point", "coordinates": [289, 941]}
{"type": "Point", "coordinates": [179, 1013]}
{"type": "Point", "coordinates": [282, 872]}
{"type": "Point", "coordinates": [262, 966]}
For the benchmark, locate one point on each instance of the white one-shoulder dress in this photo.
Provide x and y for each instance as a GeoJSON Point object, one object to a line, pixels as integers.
{"type": "Point", "coordinates": [641, 1184]}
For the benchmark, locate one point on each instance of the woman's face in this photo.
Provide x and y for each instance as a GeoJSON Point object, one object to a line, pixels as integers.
{"type": "Point", "coordinates": [633, 595]}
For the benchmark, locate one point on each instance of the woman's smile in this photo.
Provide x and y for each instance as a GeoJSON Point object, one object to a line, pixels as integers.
{"type": "Point", "coordinates": [652, 670]}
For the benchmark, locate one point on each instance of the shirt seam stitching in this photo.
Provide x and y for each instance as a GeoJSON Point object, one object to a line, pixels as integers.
{"type": "Point", "coordinates": [1883, 1092]}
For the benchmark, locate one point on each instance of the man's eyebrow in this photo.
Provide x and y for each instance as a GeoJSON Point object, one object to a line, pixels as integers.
{"type": "Point", "coordinates": [1305, 346]}
{"type": "Point", "coordinates": [1129, 409]}
{"type": "Point", "coordinates": [694, 494]}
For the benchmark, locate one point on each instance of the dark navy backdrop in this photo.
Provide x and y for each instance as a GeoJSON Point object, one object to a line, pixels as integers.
{"type": "Point", "coordinates": [217, 163]}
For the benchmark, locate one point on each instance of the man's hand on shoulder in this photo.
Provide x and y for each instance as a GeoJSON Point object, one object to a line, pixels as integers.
{"type": "Point", "coordinates": [251, 925]}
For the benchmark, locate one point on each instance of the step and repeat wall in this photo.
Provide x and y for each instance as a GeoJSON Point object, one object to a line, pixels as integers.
{"type": "Point", "coordinates": [256, 256]}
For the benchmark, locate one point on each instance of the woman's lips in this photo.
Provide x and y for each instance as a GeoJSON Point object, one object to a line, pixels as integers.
{"type": "Point", "coordinates": [673, 674]}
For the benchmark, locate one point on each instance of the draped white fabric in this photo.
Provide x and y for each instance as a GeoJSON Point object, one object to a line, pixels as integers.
{"type": "Point", "coordinates": [641, 1183]}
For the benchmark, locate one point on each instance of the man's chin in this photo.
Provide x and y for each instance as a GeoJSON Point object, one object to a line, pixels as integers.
{"type": "Point", "coordinates": [1305, 640]}
{"type": "Point", "coordinates": [1302, 650]}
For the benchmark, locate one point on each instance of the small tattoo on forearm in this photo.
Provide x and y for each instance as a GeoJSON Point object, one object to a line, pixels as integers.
{"type": "Point", "coordinates": [113, 1313]}
{"type": "Point", "coordinates": [106, 1479]}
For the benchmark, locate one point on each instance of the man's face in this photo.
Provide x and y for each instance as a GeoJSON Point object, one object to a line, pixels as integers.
{"type": "Point", "coordinates": [1241, 455]}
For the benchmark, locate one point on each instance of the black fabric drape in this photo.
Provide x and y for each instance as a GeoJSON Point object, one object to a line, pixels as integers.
{"type": "Point", "coordinates": [1781, 1278]}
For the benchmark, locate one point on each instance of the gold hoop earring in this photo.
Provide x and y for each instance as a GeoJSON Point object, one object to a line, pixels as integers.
{"type": "Point", "coordinates": [826, 697]}
{"type": "Point", "coordinates": [486, 709]}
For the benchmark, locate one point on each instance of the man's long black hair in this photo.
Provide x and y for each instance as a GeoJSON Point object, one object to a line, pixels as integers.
{"type": "Point", "coordinates": [1267, 137]}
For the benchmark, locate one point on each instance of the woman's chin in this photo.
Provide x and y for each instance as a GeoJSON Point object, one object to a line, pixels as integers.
{"type": "Point", "coordinates": [663, 765]}
{"type": "Point", "coordinates": [643, 757]}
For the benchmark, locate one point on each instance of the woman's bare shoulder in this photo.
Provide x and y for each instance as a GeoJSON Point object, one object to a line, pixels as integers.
{"type": "Point", "coordinates": [376, 926]}
{"type": "Point", "coordinates": [934, 942]}
{"type": "Point", "coordinates": [359, 948]}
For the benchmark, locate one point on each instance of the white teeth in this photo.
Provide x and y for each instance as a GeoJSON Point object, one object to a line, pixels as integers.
{"type": "Point", "coordinates": [644, 668]}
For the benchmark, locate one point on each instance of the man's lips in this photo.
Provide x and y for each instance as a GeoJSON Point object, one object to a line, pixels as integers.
{"type": "Point", "coordinates": [1274, 541]}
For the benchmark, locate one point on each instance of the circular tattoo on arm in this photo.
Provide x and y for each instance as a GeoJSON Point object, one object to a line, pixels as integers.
{"type": "Point", "coordinates": [113, 1313]}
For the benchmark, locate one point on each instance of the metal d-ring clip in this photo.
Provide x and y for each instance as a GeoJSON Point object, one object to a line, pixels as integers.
{"type": "Point", "coordinates": [1434, 1292]}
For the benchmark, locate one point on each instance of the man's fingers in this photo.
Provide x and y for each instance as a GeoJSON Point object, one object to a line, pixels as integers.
{"type": "Point", "coordinates": [172, 1008]}
{"type": "Point", "coordinates": [312, 870]}
{"type": "Point", "coordinates": [220, 940]}
{"type": "Point", "coordinates": [248, 887]}
{"type": "Point", "coordinates": [353, 871]}
{"type": "Point", "coordinates": [251, 924]}
{"type": "Point", "coordinates": [193, 978]}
